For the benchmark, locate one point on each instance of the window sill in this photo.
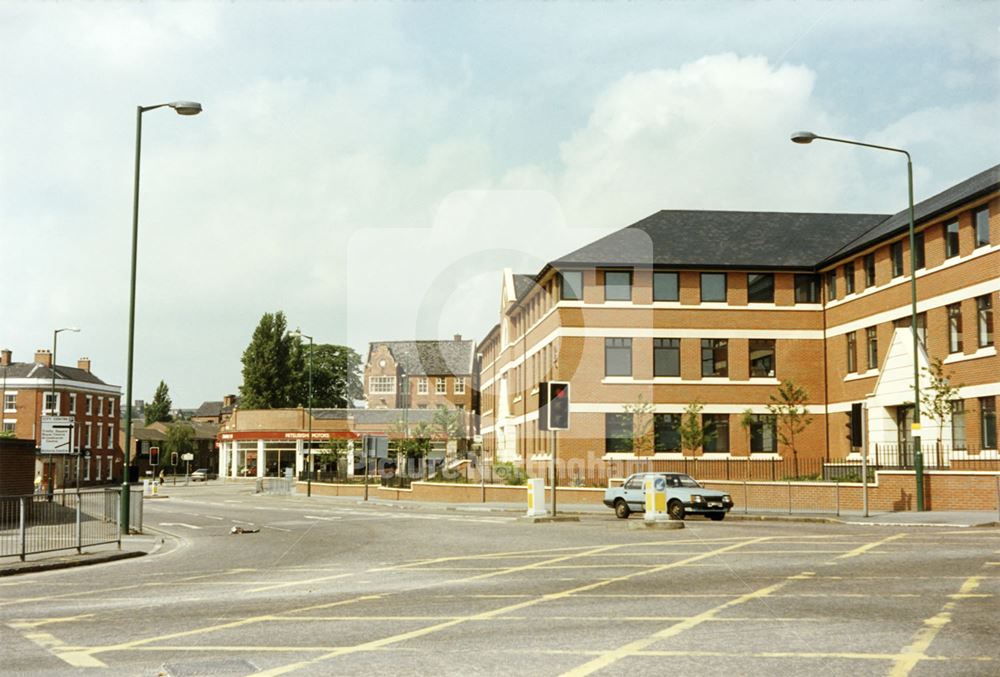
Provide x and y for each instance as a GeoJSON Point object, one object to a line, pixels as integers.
{"type": "Point", "coordinates": [517, 399]}
{"type": "Point", "coordinates": [988, 351]}
{"type": "Point", "coordinates": [871, 373]}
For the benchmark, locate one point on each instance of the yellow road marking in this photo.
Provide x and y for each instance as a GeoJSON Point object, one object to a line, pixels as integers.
{"type": "Point", "coordinates": [609, 657]}
{"type": "Point", "coordinates": [916, 651]}
{"type": "Point", "coordinates": [61, 650]}
{"type": "Point", "coordinates": [27, 625]}
{"type": "Point", "coordinates": [865, 548]}
{"type": "Point", "coordinates": [305, 582]}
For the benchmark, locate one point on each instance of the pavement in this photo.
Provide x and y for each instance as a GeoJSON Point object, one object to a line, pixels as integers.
{"type": "Point", "coordinates": [148, 543]}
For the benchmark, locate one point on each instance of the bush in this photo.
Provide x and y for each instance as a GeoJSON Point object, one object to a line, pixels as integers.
{"type": "Point", "coordinates": [510, 474]}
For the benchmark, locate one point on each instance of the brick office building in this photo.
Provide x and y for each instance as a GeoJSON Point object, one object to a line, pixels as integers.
{"type": "Point", "coordinates": [720, 307]}
{"type": "Point", "coordinates": [420, 374]}
{"type": "Point", "coordinates": [93, 404]}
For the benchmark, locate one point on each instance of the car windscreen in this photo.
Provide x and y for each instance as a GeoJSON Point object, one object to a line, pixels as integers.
{"type": "Point", "coordinates": [688, 481]}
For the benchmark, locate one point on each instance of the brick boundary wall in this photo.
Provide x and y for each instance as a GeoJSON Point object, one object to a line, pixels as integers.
{"type": "Point", "coordinates": [892, 491]}
{"type": "Point", "coordinates": [17, 467]}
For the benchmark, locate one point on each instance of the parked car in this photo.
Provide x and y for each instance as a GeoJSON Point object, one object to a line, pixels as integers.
{"type": "Point", "coordinates": [685, 496]}
{"type": "Point", "coordinates": [200, 475]}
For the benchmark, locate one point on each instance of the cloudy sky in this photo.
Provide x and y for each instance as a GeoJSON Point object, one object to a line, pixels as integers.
{"type": "Point", "coordinates": [370, 168]}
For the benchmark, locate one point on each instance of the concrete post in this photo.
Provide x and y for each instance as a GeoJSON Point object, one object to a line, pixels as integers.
{"type": "Point", "coordinates": [261, 461]}
{"type": "Point", "coordinates": [536, 497]}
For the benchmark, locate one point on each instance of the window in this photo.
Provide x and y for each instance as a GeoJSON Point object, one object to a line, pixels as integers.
{"type": "Point", "coordinates": [984, 320]}
{"type": "Point", "coordinates": [831, 285]}
{"type": "Point", "coordinates": [111, 408]}
{"type": "Point", "coordinates": [571, 285]}
{"type": "Point", "coordinates": [713, 287]}
{"type": "Point", "coordinates": [100, 436]}
{"type": "Point", "coordinates": [617, 357]}
{"type": "Point", "coordinates": [871, 342]}
{"type": "Point", "coordinates": [382, 385]}
{"type": "Point", "coordinates": [907, 321]}
{"type": "Point", "coordinates": [88, 437]}
{"type": "Point", "coordinates": [665, 287]}
{"type": "Point", "coordinates": [72, 403]}
{"type": "Point", "coordinates": [982, 220]}
{"type": "Point", "coordinates": [666, 432]}
{"type": "Point", "coordinates": [716, 432]}
{"type": "Point", "coordinates": [666, 357]}
{"type": "Point", "coordinates": [441, 386]}
{"type": "Point", "coordinates": [422, 385]}
{"type": "Point", "coordinates": [10, 401]}
{"type": "Point", "coordinates": [8, 425]}
{"type": "Point", "coordinates": [714, 357]}
{"type": "Point", "coordinates": [896, 254]}
{"type": "Point", "coordinates": [852, 352]}
{"type": "Point", "coordinates": [111, 463]}
{"type": "Point", "coordinates": [51, 403]}
{"type": "Point", "coordinates": [763, 434]}
{"type": "Point", "coordinates": [849, 278]}
{"type": "Point", "coordinates": [617, 285]}
{"type": "Point", "coordinates": [951, 239]}
{"type": "Point", "coordinates": [958, 424]}
{"type": "Point", "coordinates": [98, 476]}
{"type": "Point", "coordinates": [806, 288]}
{"type": "Point", "coordinates": [988, 421]}
{"type": "Point", "coordinates": [918, 250]}
{"type": "Point", "coordinates": [869, 270]}
{"type": "Point", "coordinates": [955, 328]}
{"type": "Point", "coordinates": [760, 288]}
{"type": "Point", "coordinates": [86, 468]}
{"type": "Point", "coordinates": [761, 358]}
{"type": "Point", "coordinates": [617, 433]}
{"type": "Point", "coordinates": [89, 405]}
{"type": "Point", "coordinates": [460, 385]}
{"type": "Point", "coordinates": [111, 437]}
{"type": "Point", "coordinates": [100, 406]}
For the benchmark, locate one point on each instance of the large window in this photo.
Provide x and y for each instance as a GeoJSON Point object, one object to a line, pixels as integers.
{"type": "Point", "coordinates": [955, 328]}
{"type": "Point", "coordinates": [713, 287]}
{"type": "Point", "coordinates": [763, 433]}
{"type": "Point", "coordinates": [617, 285]}
{"type": "Point", "coordinates": [441, 386]}
{"type": "Point", "coordinates": [869, 270]}
{"type": "Point", "coordinates": [459, 385]}
{"type": "Point", "coordinates": [982, 220]}
{"type": "Point", "coordinates": [760, 288]}
{"type": "Point", "coordinates": [918, 250]}
{"type": "Point", "coordinates": [849, 278]}
{"type": "Point", "coordinates": [716, 428]}
{"type": "Point", "coordinates": [10, 401]}
{"type": "Point", "coordinates": [52, 403]}
{"type": "Point", "coordinates": [852, 352]}
{"type": "Point", "coordinates": [617, 433]}
{"type": "Point", "coordinates": [896, 254]}
{"type": "Point", "coordinates": [958, 440]}
{"type": "Point", "coordinates": [806, 288]}
{"type": "Point", "coordinates": [714, 357]}
{"type": "Point", "coordinates": [871, 343]}
{"type": "Point", "coordinates": [665, 287]}
{"type": "Point", "coordinates": [831, 285]}
{"type": "Point", "coordinates": [951, 239]}
{"type": "Point", "coordinates": [382, 385]}
{"type": "Point", "coordinates": [666, 432]}
{"type": "Point", "coordinates": [761, 358]}
{"type": "Point", "coordinates": [666, 357]}
{"type": "Point", "coordinates": [617, 357]}
{"type": "Point", "coordinates": [984, 320]}
{"type": "Point", "coordinates": [988, 421]}
{"type": "Point", "coordinates": [571, 285]}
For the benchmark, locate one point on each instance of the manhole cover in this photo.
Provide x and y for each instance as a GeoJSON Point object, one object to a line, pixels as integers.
{"type": "Point", "coordinates": [220, 666]}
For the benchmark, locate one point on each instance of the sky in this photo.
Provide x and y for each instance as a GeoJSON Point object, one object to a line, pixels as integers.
{"type": "Point", "coordinates": [370, 168]}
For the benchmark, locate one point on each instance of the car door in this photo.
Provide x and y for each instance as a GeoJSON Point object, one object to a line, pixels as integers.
{"type": "Point", "coordinates": [633, 492]}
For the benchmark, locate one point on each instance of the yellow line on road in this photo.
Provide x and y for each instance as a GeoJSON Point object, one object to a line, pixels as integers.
{"type": "Point", "coordinates": [865, 548]}
{"type": "Point", "coordinates": [303, 582]}
{"type": "Point", "coordinates": [27, 625]}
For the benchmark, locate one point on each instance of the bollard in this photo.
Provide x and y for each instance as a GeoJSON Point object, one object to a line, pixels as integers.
{"type": "Point", "coordinates": [655, 488]}
{"type": "Point", "coordinates": [536, 497]}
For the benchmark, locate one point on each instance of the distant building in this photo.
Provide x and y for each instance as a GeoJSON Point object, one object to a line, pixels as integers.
{"type": "Point", "coordinates": [203, 439]}
{"type": "Point", "coordinates": [27, 389]}
{"type": "Point", "coordinates": [420, 375]}
{"type": "Point", "coordinates": [216, 412]}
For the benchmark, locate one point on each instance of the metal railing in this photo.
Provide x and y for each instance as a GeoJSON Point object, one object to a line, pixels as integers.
{"type": "Point", "coordinates": [38, 523]}
{"type": "Point", "coordinates": [281, 486]}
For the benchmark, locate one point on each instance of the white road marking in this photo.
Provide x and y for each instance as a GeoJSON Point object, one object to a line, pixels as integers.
{"type": "Point", "coordinates": [178, 524]}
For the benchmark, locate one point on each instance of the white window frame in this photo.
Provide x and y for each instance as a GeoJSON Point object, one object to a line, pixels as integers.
{"type": "Point", "coordinates": [111, 466]}
{"type": "Point", "coordinates": [46, 404]}
{"type": "Point", "coordinates": [12, 394]}
{"type": "Point", "coordinates": [111, 436]}
{"type": "Point", "coordinates": [97, 477]}
{"type": "Point", "coordinates": [422, 386]}
{"type": "Point", "coordinates": [382, 385]}
{"type": "Point", "coordinates": [100, 435]}
{"type": "Point", "coordinates": [89, 408]}
{"type": "Point", "coordinates": [111, 408]}
{"type": "Point", "coordinates": [100, 406]}
{"type": "Point", "coordinates": [86, 468]}
{"type": "Point", "coordinates": [88, 435]}
{"type": "Point", "coordinates": [459, 385]}
{"type": "Point", "coordinates": [9, 424]}
{"type": "Point", "coordinates": [441, 386]}
{"type": "Point", "coordinates": [72, 403]}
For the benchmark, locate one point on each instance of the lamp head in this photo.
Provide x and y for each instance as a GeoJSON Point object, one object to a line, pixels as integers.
{"type": "Point", "coordinates": [186, 107]}
{"type": "Point", "coordinates": [803, 137]}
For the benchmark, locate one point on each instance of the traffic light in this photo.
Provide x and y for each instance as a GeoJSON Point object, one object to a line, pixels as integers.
{"type": "Point", "coordinates": [154, 456]}
{"type": "Point", "coordinates": [173, 458]}
{"type": "Point", "coordinates": [553, 405]}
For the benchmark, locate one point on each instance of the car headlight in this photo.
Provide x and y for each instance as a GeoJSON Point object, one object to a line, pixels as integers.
{"type": "Point", "coordinates": [727, 499]}
{"type": "Point", "coordinates": [697, 499]}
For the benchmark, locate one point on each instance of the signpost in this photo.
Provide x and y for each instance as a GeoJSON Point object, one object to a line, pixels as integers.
{"type": "Point", "coordinates": [56, 435]}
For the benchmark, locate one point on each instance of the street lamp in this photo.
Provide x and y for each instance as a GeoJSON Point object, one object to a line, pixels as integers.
{"type": "Point", "coordinates": [918, 458]}
{"type": "Point", "coordinates": [182, 108]}
{"type": "Point", "coordinates": [54, 411]}
{"type": "Point", "coordinates": [309, 462]}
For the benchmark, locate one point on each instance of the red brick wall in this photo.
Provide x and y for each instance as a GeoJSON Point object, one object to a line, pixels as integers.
{"type": "Point", "coordinates": [17, 467]}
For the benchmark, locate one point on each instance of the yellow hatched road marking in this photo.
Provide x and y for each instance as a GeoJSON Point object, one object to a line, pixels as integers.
{"type": "Point", "coordinates": [865, 548]}
{"type": "Point", "coordinates": [303, 582]}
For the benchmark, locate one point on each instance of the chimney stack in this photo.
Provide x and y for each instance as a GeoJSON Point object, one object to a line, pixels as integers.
{"type": "Point", "coordinates": [5, 358]}
{"type": "Point", "coordinates": [43, 357]}
{"type": "Point", "coordinates": [228, 400]}
{"type": "Point", "coordinates": [458, 337]}
{"type": "Point", "coordinates": [83, 363]}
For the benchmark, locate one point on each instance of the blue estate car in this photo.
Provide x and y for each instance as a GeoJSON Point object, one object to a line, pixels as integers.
{"type": "Point", "coordinates": [684, 496]}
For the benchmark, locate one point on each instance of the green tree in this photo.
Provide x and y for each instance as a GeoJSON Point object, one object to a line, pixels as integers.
{"type": "Point", "coordinates": [643, 437]}
{"type": "Point", "coordinates": [938, 402]}
{"type": "Point", "coordinates": [158, 411]}
{"type": "Point", "coordinates": [336, 376]}
{"type": "Point", "coordinates": [746, 422]}
{"type": "Point", "coordinates": [448, 423]}
{"type": "Point", "coordinates": [180, 440]}
{"type": "Point", "coordinates": [693, 435]}
{"type": "Point", "coordinates": [269, 381]}
{"type": "Point", "coordinates": [790, 409]}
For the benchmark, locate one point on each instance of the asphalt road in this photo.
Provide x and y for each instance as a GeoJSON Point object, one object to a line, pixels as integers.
{"type": "Point", "coordinates": [330, 587]}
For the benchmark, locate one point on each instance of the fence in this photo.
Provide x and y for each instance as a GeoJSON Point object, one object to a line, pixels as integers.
{"type": "Point", "coordinates": [38, 523]}
{"type": "Point", "coordinates": [281, 486]}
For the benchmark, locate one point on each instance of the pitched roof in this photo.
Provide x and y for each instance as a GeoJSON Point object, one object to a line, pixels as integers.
{"type": "Point", "coordinates": [41, 372]}
{"type": "Point", "coordinates": [523, 285]}
{"type": "Point", "coordinates": [431, 358]}
{"type": "Point", "coordinates": [214, 408]}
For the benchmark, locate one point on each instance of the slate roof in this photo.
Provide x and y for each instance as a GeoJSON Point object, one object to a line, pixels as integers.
{"type": "Point", "coordinates": [522, 285]}
{"type": "Point", "coordinates": [214, 408]}
{"type": "Point", "coordinates": [431, 358]}
{"type": "Point", "coordinates": [40, 371]}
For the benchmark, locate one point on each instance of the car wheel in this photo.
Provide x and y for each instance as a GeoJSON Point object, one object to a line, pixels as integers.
{"type": "Point", "coordinates": [622, 510]}
{"type": "Point", "coordinates": [676, 510]}
{"type": "Point", "coordinates": [718, 517]}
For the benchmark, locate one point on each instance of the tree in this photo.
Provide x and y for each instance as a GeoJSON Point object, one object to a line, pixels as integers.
{"type": "Point", "coordinates": [179, 440]}
{"type": "Point", "coordinates": [268, 378]}
{"type": "Point", "coordinates": [336, 376]}
{"type": "Point", "coordinates": [158, 411]}
{"type": "Point", "coordinates": [746, 422]}
{"type": "Point", "coordinates": [938, 402]}
{"type": "Point", "coordinates": [448, 423]}
{"type": "Point", "coordinates": [693, 435]}
{"type": "Point", "coordinates": [643, 438]}
{"type": "Point", "coordinates": [790, 409]}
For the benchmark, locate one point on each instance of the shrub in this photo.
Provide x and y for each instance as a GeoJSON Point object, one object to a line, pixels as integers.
{"type": "Point", "coordinates": [510, 474]}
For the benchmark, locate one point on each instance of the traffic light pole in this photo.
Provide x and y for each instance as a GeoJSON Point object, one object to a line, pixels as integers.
{"type": "Point", "coordinates": [555, 474]}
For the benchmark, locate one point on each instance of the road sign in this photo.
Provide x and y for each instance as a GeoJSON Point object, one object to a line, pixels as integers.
{"type": "Point", "coordinates": [187, 457]}
{"type": "Point", "coordinates": [56, 434]}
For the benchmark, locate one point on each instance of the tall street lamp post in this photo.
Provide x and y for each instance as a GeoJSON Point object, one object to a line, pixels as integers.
{"type": "Point", "coordinates": [54, 410]}
{"type": "Point", "coordinates": [918, 458]}
{"type": "Point", "coordinates": [309, 457]}
{"type": "Point", "coordinates": [182, 108]}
